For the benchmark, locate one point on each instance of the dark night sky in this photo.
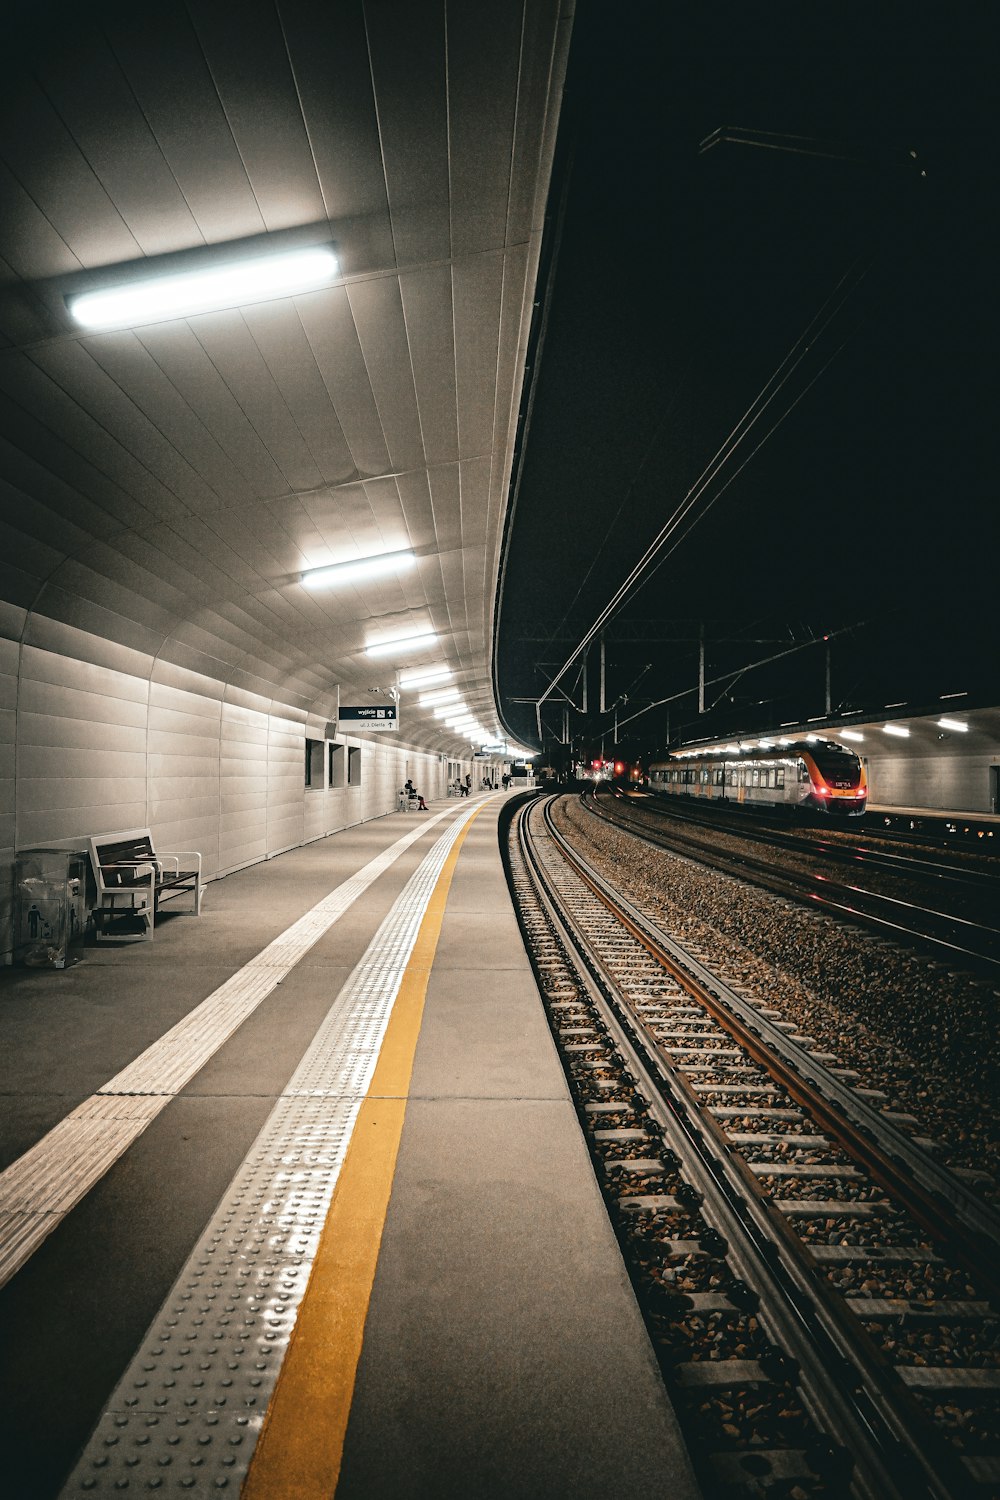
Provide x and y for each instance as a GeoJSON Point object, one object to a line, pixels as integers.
{"type": "Point", "coordinates": [683, 279]}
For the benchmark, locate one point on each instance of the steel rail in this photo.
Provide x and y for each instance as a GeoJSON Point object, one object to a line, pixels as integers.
{"type": "Point", "coordinates": [791, 885]}
{"type": "Point", "coordinates": [907, 1165]}
{"type": "Point", "coordinates": [987, 881]}
{"type": "Point", "coordinates": [844, 1374]}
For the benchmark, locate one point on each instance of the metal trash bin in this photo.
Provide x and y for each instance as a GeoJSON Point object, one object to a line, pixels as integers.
{"type": "Point", "coordinates": [50, 898]}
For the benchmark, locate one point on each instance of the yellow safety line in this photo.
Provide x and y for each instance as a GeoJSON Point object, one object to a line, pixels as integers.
{"type": "Point", "coordinates": [301, 1444]}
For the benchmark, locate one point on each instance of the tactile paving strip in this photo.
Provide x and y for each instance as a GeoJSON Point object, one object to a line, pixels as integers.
{"type": "Point", "coordinates": [186, 1414]}
{"type": "Point", "coordinates": [40, 1188]}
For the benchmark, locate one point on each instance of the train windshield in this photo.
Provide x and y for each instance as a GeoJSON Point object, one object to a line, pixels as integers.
{"type": "Point", "coordinates": [835, 764]}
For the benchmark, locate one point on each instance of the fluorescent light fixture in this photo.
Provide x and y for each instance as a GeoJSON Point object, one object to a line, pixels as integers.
{"type": "Point", "coordinates": [424, 676]}
{"type": "Point", "coordinates": [784, 741]}
{"type": "Point", "coordinates": [896, 729]}
{"type": "Point", "coordinates": [452, 711]}
{"type": "Point", "coordinates": [444, 695]}
{"type": "Point", "coordinates": [129, 305]}
{"type": "Point", "coordinates": [402, 643]}
{"type": "Point", "coordinates": [953, 724]}
{"type": "Point", "coordinates": [811, 739]}
{"type": "Point", "coordinates": [850, 734]}
{"type": "Point", "coordinates": [361, 567]}
{"type": "Point", "coordinates": [767, 744]}
{"type": "Point", "coordinates": [460, 721]}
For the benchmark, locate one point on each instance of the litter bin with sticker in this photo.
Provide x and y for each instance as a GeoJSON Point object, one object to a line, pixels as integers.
{"type": "Point", "coordinates": [50, 887]}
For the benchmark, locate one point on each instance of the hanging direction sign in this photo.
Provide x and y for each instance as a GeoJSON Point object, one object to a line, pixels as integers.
{"type": "Point", "coordinates": [369, 716]}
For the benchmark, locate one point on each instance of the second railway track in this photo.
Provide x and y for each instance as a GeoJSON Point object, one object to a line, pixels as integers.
{"type": "Point", "coordinates": [952, 935]}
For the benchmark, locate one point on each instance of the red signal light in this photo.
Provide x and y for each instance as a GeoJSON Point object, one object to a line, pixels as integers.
{"type": "Point", "coordinates": [595, 765]}
{"type": "Point", "coordinates": [619, 767]}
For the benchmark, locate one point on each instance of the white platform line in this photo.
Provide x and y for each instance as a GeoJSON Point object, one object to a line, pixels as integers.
{"type": "Point", "coordinates": [192, 1400]}
{"type": "Point", "coordinates": [40, 1187]}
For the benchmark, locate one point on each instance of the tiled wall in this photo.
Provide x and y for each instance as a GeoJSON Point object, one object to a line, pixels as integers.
{"type": "Point", "coordinates": [130, 741]}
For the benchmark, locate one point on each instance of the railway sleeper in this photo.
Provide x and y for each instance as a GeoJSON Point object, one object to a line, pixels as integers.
{"type": "Point", "coordinates": [833, 1208]}
{"type": "Point", "coordinates": [949, 1378]}
{"type": "Point", "coordinates": [847, 1255]}
{"type": "Point", "coordinates": [897, 1310]}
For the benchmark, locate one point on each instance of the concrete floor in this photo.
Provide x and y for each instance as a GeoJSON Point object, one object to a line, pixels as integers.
{"type": "Point", "coordinates": [501, 1312]}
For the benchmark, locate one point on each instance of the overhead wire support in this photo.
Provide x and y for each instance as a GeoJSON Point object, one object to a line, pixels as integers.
{"type": "Point", "coordinates": [845, 287]}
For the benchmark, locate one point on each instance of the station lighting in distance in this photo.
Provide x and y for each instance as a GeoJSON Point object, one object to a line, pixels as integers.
{"type": "Point", "coordinates": [953, 724]}
{"type": "Point", "coordinates": [186, 293]}
{"type": "Point", "coordinates": [424, 676]}
{"type": "Point", "coordinates": [850, 734]}
{"type": "Point", "coordinates": [361, 567]}
{"type": "Point", "coordinates": [402, 643]}
{"type": "Point", "coordinates": [449, 710]}
{"type": "Point", "coordinates": [445, 695]}
{"type": "Point", "coordinates": [896, 729]}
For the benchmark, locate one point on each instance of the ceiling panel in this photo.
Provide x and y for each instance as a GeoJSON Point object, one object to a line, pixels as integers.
{"type": "Point", "coordinates": [71, 367]}
{"type": "Point", "coordinates": [169, 75]}
{"type": "Point", "coordinates": [278, 334]}
{"type": "Point", "coordinates": [128, 362]}
{"type": "Point", "coordinates": [333, 338]}
{"type": "Point", "coordinates": [230, 346]}
{"type": "Point", "coordinates": [481, 109]}
{"type": "Point", "coordinates": [430, 329]}
{"type": "Point", "coordinates": [192, 469]}
{"type": "Point", "coordinates": [49, 165]}
{"type": "Point", "coordinates": [94, 101]}
{"type": "Point", "coordinates": [250, 68]}
{"type": "Point", "coordinates": [184, 361]}
{"type": "Point", "coordinates": [329, 52]}
{"type": "Point", "coordinates": [478, 283]}
{"type": "Point", "coordinates": [378, 317]}
{"type": "Point", "coordinates": [407, 43]}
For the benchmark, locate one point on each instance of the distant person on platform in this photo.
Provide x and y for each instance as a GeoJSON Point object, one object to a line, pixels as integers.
{"type": "Point", "coordinates": [421, 804]}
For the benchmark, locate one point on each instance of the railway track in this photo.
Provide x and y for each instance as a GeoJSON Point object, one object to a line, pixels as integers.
{"type": "Point", "coordinates": [947, 934]}
{"type": "Point", "coordinates": [816, 1285]}
{"type": "Point", "coordinates": [975, 871]}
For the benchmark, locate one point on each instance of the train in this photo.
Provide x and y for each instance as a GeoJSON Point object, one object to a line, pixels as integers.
{"type": "Point", "coordinates": [809, 775]}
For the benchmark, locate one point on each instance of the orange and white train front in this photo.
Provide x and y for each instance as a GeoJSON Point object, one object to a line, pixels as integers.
{"type": "Point", "coordinates": [838, 781]}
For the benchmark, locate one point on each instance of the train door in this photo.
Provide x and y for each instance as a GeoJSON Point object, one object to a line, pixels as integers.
{"type": "Point", "coordinates": [995, 789]}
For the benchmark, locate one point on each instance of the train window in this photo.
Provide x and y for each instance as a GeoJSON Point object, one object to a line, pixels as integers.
{"type": "Point", "coordinates": [779, 776]}
{"type": "Point", "coordinates": [765, 778]}
{"type": "Point", "coordinates": [704, 778]}
{"type": "Point", "coordinates": [756, 776]}
{"type": "Point", "coordinates": [719, 777]}
{"type": "Point", "coordinates": [730, 778]}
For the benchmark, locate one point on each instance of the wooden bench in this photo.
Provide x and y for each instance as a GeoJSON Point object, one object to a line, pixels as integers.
{"type": "Point", "coordinates": [132, 879]}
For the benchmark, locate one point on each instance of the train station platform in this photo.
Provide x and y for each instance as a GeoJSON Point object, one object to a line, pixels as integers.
{"type": "Point", "coordinates": [294, 1202]}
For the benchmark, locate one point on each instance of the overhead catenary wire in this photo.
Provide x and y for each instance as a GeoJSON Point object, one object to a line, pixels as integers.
{"type": "Point", "coordinates": [833, 304]}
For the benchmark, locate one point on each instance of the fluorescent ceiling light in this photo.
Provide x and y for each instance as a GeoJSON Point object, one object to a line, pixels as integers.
{"type": "Point", "coordinates": [424, 676]}
{"type": "Point", "coordinates": [850, 734]}
{"type": "Point", "coordinates": [402, 643]}
{"type": "Point", "coordinates": [460, 721]}
{"type": "Point", "coordinates": [361, 567]}
{"type": "Point", "coordinates": [896, 729]}
{"type": "Point", "coordinates": [449, 710]}
{"type": "Point", "coordinates": [129, 305]}
{"type": "Point", "coordinates": [953, 724]}
{"type": "Point", "coordinates": [444, 695]}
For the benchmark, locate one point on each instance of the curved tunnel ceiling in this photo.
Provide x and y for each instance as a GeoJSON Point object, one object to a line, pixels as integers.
{"type": "Point", "coordinates": [164, 487]}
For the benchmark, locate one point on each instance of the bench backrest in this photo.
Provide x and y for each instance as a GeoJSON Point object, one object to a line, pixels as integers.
{"type": "Point", "coordinates": [122, 859]}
